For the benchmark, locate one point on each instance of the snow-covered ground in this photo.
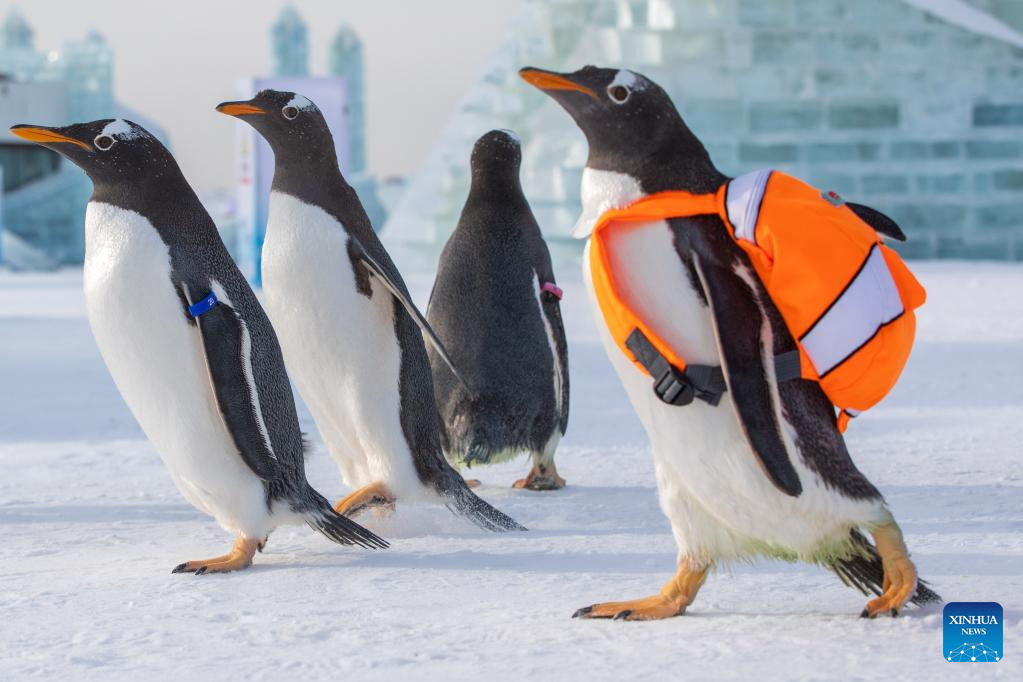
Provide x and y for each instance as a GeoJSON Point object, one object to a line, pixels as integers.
{"type": "Point", "coordinates": [91, 525]}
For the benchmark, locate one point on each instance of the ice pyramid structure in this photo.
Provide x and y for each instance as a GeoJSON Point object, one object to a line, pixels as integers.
{"type": "Point", "coordinates": [916, 111]}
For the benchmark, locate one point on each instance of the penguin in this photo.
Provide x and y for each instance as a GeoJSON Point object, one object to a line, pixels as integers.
{"type": "Point", "coordinates": [765, 472]}
{"type": "Point", "coordinates": [348, 327]}
{"type": "Point", "coordinates": [188, 345]}
{"type": "Point", "coordinates": [495, 306]}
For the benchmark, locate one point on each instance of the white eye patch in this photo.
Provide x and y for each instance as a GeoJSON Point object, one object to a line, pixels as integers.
{"type": "Point", "coordinates": [120, 129]}
{"type": "Point", "coordinates": [627, 79]}
{"type": "Point", "coordinates": [300, 102]}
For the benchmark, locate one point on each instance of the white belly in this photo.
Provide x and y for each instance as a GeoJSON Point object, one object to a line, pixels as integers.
{"type": "Point", "coordinates": [156, 360]}
{"type": "Point", "coordinates": [711, 485]}
{"type": "Point", "coordinates": [339, 345]}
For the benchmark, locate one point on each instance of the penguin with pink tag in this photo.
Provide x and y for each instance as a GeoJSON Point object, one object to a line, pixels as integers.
{"type": "Point", "coordinates": [496, 308]}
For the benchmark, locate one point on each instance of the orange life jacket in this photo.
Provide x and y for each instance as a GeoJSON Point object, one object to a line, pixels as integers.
{"type": "Point", "coordinates": [846, 298]}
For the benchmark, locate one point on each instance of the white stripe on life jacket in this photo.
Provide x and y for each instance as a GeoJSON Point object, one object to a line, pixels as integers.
{"type": "Point", "coordinates": [868, 303]}
{"type": "Point", "coordinates": [742, 202]}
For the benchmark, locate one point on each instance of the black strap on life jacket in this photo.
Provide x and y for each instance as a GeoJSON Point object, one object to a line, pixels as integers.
{"type": "Point", "coordinates": [677, 387]}
{"type": "Point", "coordinates": [786, 366]}
{"type": "Point", "coordinates": [672, 385]}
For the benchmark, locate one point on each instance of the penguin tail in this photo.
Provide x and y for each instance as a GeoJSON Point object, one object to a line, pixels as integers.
{"type": "Point", "coordinates": [340, 529]}
{"type": "Point", "coordinates": [863, 570]}
{"type": "Point", "coordinates": [464, 502]}
{"type": "Point", "coordinates": [491, 443]}
{"type": "Point", "coordinates": [476, 453]}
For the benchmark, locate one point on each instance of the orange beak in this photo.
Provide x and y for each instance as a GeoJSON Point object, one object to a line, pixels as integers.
{"type": "Point", "coordinates": [550, 81]}
{"type": "Point", "coordinates": [45, 136]}
{"type": "Point", "coordinates": [239, 109]}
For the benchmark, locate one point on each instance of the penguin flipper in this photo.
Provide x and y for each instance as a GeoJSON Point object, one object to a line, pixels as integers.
{"type": "Point", "coordinates": [552, 311]}
{"type": "Point", "coordinates": [226, 346]}
{"type": "Point", "coordinates": [554, 316]}
{"type": "Point", "coordinates": [734, 311]}
{"type": "Point", "coordinates": [881, 223]}
{"type": "Point", "coordinates": [400, 293]}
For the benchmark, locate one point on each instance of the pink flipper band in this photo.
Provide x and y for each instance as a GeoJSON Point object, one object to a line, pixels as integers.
{"type": "Point", "coordinates": [552, 288]}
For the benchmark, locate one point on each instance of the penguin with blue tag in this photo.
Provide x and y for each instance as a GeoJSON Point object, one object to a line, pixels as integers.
{"type": "Point", "coordinates": [351, 335]}
{"type": "Point", "coordinates": [496, 307]}
{"type": "Point", "coordinates": [188, 345]}
{"type": "Point", "coordinates": [747, 464]}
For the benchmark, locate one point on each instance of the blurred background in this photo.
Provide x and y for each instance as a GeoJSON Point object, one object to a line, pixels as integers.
{"type": "Point", "coordinates": [912, 106]}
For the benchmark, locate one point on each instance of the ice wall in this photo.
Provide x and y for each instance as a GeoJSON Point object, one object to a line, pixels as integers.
{"type": "Point", "coordinates": [916, 112]}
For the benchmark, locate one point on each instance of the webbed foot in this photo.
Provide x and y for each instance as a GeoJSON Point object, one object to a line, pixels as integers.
{"type": "Point", "coordinates": [238, 558]}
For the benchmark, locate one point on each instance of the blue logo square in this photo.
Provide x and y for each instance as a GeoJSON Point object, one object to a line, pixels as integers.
{"type": "Point", "coordinates": [973, 631]}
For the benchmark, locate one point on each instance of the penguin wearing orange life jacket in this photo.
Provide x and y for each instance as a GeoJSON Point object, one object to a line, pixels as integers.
{"type": "Point", "coordinates": [749, 457]}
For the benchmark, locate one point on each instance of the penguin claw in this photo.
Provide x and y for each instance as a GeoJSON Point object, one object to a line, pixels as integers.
{"type": "Point", "coordinates": [181, 568]}
{"type": "Point", "coordinates": [583, 612]}
{"type": "Point", "coordinates": [865, 613]}
{"type": "Point", "coordinates": [623, 615]}
{"type": "Point", "coordinates": [202, 570]}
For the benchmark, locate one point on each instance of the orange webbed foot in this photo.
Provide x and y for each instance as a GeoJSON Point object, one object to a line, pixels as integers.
{"type": "Point", "coordinates": [676, 595]}
{"type": "Point", "coordinates": [238, 558]}
{"type": "Point", "coordinates": [541, 477]}
{"type": "Point", "coordinates": [371, 496]}
{"type": "Point", "coordinates": [900, 576]}
{"type": "Point", "coordinates": [656, 607]}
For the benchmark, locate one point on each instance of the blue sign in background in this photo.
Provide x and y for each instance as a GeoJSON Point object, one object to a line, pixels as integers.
{"type": "Point", "coordinates": [972, 631]}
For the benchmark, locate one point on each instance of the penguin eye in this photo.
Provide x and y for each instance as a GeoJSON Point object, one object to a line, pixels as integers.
{"type": "Point", "coordinates": [619, 93]}
{"type": "Point", "coordinates": [290, 112]}
{"type": "Point", "coordinates": [103, 142]}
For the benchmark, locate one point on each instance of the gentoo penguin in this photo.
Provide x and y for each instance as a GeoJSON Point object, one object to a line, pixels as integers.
{"type": "Point", "coordinates": [765, 471]}
{"type": "Point", "coordinates": [188, 345]}
{"type": "Point", "coordinates": [495, 306]}
{"type": "Point", "coordinates": [348, 328]}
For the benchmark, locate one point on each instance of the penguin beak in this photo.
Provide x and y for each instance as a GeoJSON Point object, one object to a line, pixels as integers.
{"type": "Point", "coordinates": [548, 80]}
{"type": "Point", "coordinates": [45, 136]}
{"type": "Point", "coordinates": [239, 109]}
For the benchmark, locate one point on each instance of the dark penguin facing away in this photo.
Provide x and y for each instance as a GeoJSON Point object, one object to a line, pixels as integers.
{"type": "Point", "coordinates": [764, 471]}
{"type": "Point", "coordinates": [349, 331]}
{"type": "Point", "coordinates": [495, 306]}
{"type": "Point", "coordinates": [188, 344]}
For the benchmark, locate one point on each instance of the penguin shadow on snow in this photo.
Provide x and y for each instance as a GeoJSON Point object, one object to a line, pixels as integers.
{"type": "Point", "coordinates": [521, 562]}
{"type": "Point", "coordinates": [98, 513]}
{"type": "Point", "coordinates": [574, 511]}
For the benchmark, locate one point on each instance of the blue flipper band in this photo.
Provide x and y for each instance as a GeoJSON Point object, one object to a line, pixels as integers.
{"type": "Point", "coordinates": [203, 306]}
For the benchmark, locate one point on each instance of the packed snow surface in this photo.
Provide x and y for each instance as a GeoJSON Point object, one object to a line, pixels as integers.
{"type": "Point", "coordinates": [92, 525]}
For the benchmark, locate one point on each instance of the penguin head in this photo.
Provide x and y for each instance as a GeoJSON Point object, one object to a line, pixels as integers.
{"type": "Point", "coordinates": [292, 125]}
{"type": "Point", "coordinates": [628, 119]}
{"type": "Point", "coordinates": [497, 154]}
{"type": "Point", "coordinates": [110, 151]}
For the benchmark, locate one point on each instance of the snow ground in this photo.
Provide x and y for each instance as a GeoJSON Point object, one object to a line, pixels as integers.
{"type": "Point", "coordinates": [91, 526]}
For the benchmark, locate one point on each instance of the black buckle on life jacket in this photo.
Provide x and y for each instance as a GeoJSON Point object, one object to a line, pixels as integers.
{"type": "Point", "coordinates": [672, 385]}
